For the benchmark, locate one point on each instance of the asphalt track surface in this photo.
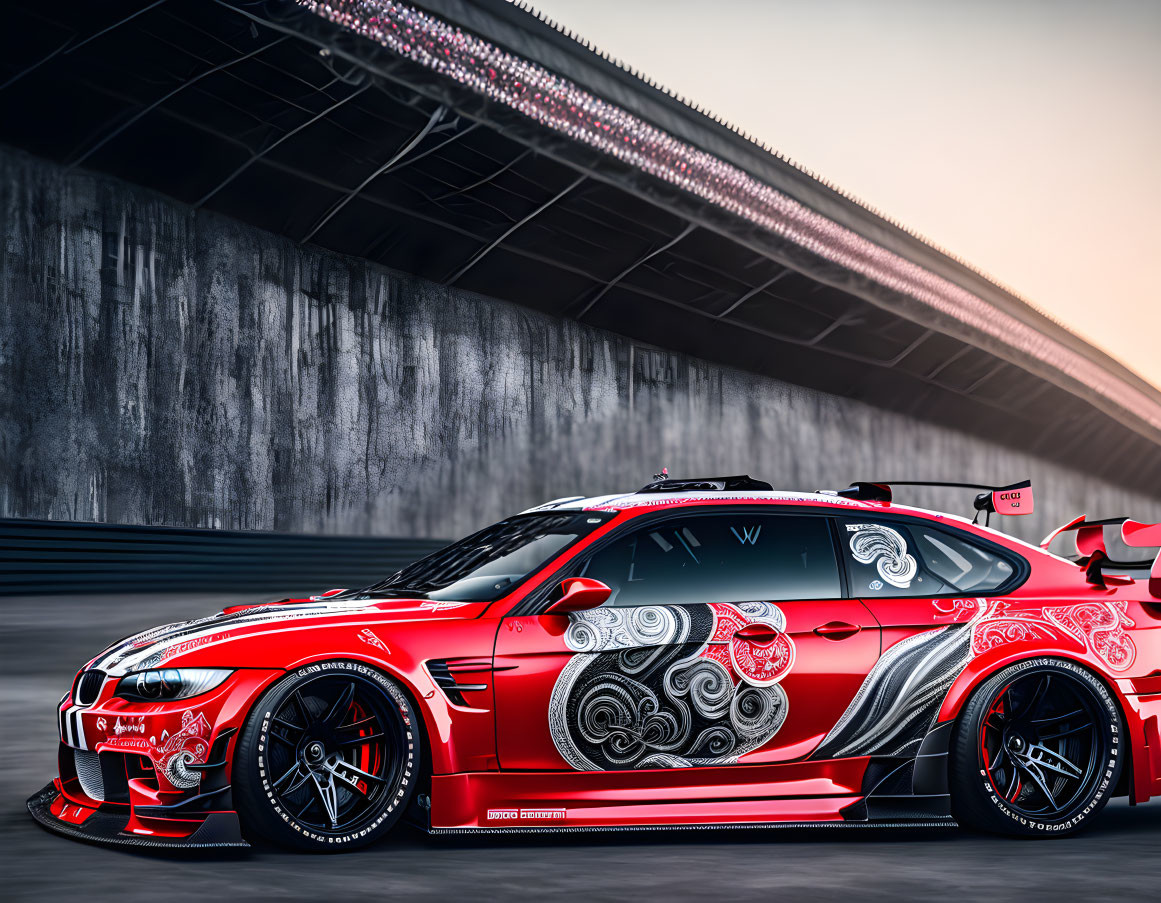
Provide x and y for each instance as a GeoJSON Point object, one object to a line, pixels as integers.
{"type": "Point", "coordinates": [44, 640]}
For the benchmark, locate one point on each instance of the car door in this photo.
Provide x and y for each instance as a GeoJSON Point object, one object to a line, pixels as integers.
{"type": "Point", "coordinates": [923, 583]}
{"type": "Point", "coordinates": [726, 640]}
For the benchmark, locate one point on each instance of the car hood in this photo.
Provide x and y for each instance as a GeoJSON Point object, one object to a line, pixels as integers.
{"type": "Point", "coordinates": [161, 646]}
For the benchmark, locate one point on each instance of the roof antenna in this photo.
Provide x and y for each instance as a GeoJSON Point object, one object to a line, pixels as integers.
{"type": "Point", "coordinates": [664, 475]}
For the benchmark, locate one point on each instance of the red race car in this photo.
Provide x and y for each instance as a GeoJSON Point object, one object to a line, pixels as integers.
{"type": "Point", "coordinates": [698, 653]}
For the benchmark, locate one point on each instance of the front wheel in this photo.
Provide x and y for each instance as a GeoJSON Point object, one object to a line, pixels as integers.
{"type": "Point", "coordinates": [1037, 750]}
{"type": "Point", "coordinates": [328, 758]}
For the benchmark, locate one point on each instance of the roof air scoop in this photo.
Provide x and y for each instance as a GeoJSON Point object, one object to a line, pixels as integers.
{"type": "Point", "coordinates": [867, 492]}
{"type": "Point", "coordinates": [739, 483]}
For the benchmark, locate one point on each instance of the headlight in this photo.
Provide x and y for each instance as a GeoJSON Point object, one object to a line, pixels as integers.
{"type": "Point", "coordinates": [170, 683]}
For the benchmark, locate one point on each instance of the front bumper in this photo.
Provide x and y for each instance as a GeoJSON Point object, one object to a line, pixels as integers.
{"type": "Point", "coordinates": [110, 824]}
{"type": "Point", "coordinates": [150, 774]}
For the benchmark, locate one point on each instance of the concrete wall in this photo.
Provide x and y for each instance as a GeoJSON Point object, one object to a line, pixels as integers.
{"type": "Point", "coordinates": [160, 366]}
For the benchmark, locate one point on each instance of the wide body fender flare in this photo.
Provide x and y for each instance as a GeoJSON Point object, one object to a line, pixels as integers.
{"type": "Point", "coordinates": [933, 763]}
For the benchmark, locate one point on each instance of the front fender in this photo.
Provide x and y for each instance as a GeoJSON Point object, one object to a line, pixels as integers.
{"type": "Point", "coordinates": [401, 650]}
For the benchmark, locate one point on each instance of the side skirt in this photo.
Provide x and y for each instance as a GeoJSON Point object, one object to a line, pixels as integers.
{"type": "Point", "coordinates": [714, 826]}
{"type": "Point", "coordinates": [860, 792]}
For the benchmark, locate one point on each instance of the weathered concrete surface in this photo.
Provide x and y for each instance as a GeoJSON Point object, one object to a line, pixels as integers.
{"type": "Point", "coordinates": [161, 366]}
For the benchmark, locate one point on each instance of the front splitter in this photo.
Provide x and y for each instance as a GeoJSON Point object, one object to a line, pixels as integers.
{"type": "Point", "coordinates": [219, 830]}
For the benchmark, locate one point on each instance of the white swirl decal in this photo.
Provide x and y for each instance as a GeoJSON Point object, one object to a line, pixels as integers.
{"type": "Point", "coordinates": [886, 550]}
{"type": "Point", "coordinates": [608, 629]}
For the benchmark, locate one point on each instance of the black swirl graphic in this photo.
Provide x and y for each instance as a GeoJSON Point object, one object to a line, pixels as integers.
{"type": "Point", "coordinates": [898, 702]}
{"type": "Point", "coordinates": [656, 706]}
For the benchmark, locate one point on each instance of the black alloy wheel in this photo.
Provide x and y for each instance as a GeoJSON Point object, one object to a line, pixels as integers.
{"type": "Point", "coordinates": [1037, 750]}
{"type": "Point", "coordinates": [328, 759]}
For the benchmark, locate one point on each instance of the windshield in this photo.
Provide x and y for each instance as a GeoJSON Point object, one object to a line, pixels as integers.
{"type": "Point", "coordinates": [487, 565]}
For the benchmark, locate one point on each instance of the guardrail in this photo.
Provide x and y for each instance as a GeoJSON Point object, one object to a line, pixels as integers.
{"type": "Point", "coordinates": [42, 557]}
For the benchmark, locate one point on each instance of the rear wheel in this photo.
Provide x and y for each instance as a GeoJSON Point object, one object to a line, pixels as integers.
{"type": "Point", "coordinates": [1037, 750]}
{"type": "Point", "coordinates": [328, 758]}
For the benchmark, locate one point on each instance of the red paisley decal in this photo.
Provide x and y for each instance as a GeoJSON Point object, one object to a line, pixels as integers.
{"type": "Point", "coordinates": [758, 664]}
{"type": "Point", "coordinates": [1001, 631]}
{"type": "Point", "coordinates": [176, 751]}
{"type": "Point", "coordinates": [1096, 627]}
{"type": "Point", "coordinates": [762, 665]}
{"type": "Point", "coordinates": [1101, 625]}
{"type": "Point", "coordinates": [957, 611]}
{"type": "Point", "coordinates": [727, 621]}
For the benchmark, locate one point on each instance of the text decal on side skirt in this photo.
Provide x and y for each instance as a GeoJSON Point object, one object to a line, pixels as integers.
{"type": "Point", "coordinates": [526, 815]}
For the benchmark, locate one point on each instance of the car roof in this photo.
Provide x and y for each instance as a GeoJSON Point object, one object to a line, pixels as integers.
{"type": "Point", "coordinates": [636, 502]}
{"type": "Point", "coordinates": [625, 501]}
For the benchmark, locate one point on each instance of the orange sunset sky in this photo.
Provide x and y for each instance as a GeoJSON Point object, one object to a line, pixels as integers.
{"type": "Point", "coordinates": [1024, 136]}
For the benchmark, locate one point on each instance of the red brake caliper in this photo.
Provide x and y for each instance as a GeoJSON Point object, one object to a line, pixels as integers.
{"type": "Point", "coordinates": [365, 753]}
{"type": "Point", "coordinates": [996, 709]}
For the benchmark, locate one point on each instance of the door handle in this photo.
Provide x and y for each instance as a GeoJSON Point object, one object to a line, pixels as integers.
{"type": "Point", "coordinates": [757, 633]}
{"type": "Point", "coordinates": [837, 630]}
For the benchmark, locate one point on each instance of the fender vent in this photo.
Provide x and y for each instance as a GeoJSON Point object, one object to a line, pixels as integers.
{"type": "Point", "coordinates": [88, 765]}
{"type": "Point", "coordinates": [441, 672]}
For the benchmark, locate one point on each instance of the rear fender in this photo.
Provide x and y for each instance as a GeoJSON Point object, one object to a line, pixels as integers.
{"type": "Point", "coordinates": [1142, 784]}
{"type": "Point", "coordinates": [988, 663]}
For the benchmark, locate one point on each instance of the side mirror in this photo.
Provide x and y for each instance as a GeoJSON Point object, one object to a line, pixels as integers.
{"type": "Point", "coordinates": [579, 594]}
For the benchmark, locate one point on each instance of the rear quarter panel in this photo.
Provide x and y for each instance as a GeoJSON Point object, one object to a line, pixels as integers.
{"type": "Point", "coordinates": [1117, 638]}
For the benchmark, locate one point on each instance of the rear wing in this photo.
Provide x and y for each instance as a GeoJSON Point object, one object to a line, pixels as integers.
{"type": "Point", "coordinates": [1093, 553]}
{"type": "Point", "coordinates": [1013, 500]}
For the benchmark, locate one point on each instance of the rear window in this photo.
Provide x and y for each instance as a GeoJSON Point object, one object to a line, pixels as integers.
{"type": "Point", "coordinates": [896, 559]}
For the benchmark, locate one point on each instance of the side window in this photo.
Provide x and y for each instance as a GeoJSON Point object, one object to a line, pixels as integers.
{"type": "Point", "coordinates": [960, 564]}
{"type": "Point", "coordinates": [895, 559]}
{"type": "Point", "coordinates": [740, 557]}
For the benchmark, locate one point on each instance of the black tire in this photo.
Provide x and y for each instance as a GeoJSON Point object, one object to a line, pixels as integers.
{"type": "Point", "coordinates": [328, 758]}
{"type": "Point", "coordinates": [1037, 750]}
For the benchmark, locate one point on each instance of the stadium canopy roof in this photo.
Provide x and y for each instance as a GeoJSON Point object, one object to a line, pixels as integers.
{"type": "Point", "coordinates": [476, 145]}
